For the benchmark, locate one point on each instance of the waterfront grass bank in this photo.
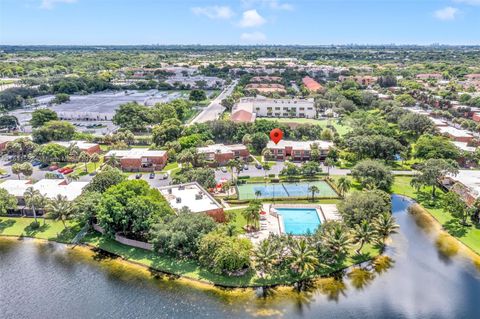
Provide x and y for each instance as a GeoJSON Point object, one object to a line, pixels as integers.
{"type": "Point", "coordinates": [469, 236]}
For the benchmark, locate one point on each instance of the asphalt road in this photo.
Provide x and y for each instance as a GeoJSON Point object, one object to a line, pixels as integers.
{"type": "Point", "coordinates": [214, 109]}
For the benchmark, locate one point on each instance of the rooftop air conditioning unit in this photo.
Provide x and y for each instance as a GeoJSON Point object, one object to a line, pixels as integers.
{"type": "Point", "coordinates": [178, 200]}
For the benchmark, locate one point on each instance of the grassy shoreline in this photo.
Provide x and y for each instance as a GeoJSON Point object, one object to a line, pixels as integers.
{"type": "Point", "coordinates": [469, 236]}
{"type": "Point", "coordinates": [188, 269]}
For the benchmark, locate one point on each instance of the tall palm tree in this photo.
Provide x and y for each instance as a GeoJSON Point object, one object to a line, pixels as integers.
{"type": "Point", "coordinates": [385, 225]}
{"type": "Point", "coordinates": [363, 233]}
{"type": "Point", "coordinates": [252, 213]}
{"type": "Point", "coordinates": [95, 159]}
{"type": "Point", "coordinates": [60, 209]}
{"type": "Point", "coordinates": [232, 164]}
{"type": "Point", "coordinates": [314, 190]}
{"type": "Point", "coordinates": [84, 158]}
{"type": "Point", "coordinates": [344, 184]}
{"type": "Point", "coordinates": [303, 259]}
{"type": "Point", "coordinates": [329, 163]}
{"type": "Point", "coordinates": [337, 241]}
{"type": "Point", "coordinates": [113, 161]}
{"type": "Point", "coordinates": [258, 193]}
{"type": "Point", "coordinates": [265, 257]}
{"type": "Point", "coordinates": [33, 200]}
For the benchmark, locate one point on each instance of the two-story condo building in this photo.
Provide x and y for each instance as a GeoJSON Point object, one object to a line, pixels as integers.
{"type": "Point", "coordinates": [140, 159]}
{"type": "Point", "coordinates": [298, 150]}
{"type": "Point", "coordinates": [221, 154]}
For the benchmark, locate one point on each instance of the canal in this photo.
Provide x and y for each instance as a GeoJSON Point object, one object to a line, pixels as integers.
{"type": "Point", "coordinates": [48, 280]}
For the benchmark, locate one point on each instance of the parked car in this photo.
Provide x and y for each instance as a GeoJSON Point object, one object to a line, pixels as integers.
{"type": "Point", "coordinates": [44, 165]}
{"type": "Point", "coordinates": [53, 168]}
{"type": "Point", "coordinates": [67, 171]}
{"type": "Point", "coordinates": [223, 169]}
{"type": "Point", "coordinates": [258, 166]}
{"type": "Point", "coordinates": [245, 167]}
{"type": "Point", "coordinates": [36, 163]}
{"type": "Point", "coordinates": [61, 170]}
{"type": "Point", "coordinates": [164, 176]}
{"type": "Point", "coordinates": [152, 176]}
{"type": "Point", "coordinates": [138, 176]}
{"type": "Point", "coordinates": [3, 176]}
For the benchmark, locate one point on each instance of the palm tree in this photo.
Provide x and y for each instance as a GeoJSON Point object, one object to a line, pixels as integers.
{"type": "Point", "coordinates": [85, 158]}
{"type": "Point", "coordinates": [363, 234]}
{"type": "Point", "coordinates": [33, 200]}
{"type": "Point", "coordinates": [265, 257]}
{"type": "Point", "coordinates": [95, 159]}
{"type": "Point", "coordinates": [303, 259]}
{"type": "Point", "coordinates": [251, 213]}
{"type": "Point", "coordinates": [231, 229]}
{"type": "Point", "coordinates": [231, 164]}
{"type": "Point", "coordinates": [329, 162]}
{"type": "Point", "coordinates": [344, 184]}
{"type": "Point", "coordinates": [336, 240]}
{"type": "Point", "coordinates": [314, 190]}
{"type": "Point", "coordinates": [416, 183]}
{"type": "Point", "coordinates": [73, 152]}
{"type": "Point", "coordinates": [17, 169]}
{"type": "Point", "coordinates": [384, 225]}
{"type": "Point", "coordinates": [73, 177]}
{"type": "Point", "coordinates": [113, 161]}
{"type": "Point", "coordinates": [60, 209]}
{"type": "Point", "coordinates": [258, 193]}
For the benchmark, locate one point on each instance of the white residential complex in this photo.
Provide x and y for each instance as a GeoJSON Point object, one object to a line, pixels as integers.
{"type": "Point", "coordinates": [264, 107]}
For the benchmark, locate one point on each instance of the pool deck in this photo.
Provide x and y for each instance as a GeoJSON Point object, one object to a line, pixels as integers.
{"type": "Point", "coordinates": [272, 223]}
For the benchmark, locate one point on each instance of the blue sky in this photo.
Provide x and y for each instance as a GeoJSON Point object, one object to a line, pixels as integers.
{"type": "Point", "coordinates": [88, 22]}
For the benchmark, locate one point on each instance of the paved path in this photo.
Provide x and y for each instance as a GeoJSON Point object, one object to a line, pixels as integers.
{"type": "Point", "coordinates": [214, 109]}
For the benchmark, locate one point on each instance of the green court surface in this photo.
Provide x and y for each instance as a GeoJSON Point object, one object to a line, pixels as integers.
{"type": "Point", "coordinates": [284, 190]}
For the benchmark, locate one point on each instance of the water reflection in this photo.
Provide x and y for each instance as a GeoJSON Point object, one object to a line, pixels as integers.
{"type": "Point", "coordinates": [409, 282]}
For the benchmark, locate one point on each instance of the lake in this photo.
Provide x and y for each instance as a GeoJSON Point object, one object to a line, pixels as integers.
{"type": "Point", "coordinates": [49, 280]}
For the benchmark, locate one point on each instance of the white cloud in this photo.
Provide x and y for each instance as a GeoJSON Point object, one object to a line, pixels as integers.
{"type": "Point", "coordinates": [446, 14]}
{"type": "Point", "coordinates": [470, 2]}
{"type": "Point", "coordinates": [251, 18]}
{"type": "Point", "coordinates": [49, 4]}
{"type": "Point", "coordinates": [214, 12]}
{"type": "Point", "coordinates": [254, 37]}
{"type": "Point", "coordinates": [273, 4]}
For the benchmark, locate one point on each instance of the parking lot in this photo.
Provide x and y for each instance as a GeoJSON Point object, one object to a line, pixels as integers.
{"type": "Point", "coordinates": [154, 182]}
{"type": "Point", "coordinates": [252, 171]}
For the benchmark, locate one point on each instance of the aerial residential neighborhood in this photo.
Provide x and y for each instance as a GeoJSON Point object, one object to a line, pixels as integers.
{"type": "Point", "coordinates": [239, 159]}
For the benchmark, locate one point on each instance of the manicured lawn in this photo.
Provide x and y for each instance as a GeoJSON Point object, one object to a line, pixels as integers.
{"type": "Point", "coordinates": [52, 230]}
{"type": "Point", "coordinates": [170, 166]}
{"type": "Point", "coordinates": [470, 236]}
{"type": "Point", "coordinates": [191, 269]}
{"type": "Point", "coordinates": [237, 219]}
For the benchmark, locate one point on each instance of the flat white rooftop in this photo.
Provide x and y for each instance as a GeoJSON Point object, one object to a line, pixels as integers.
{"type": "Point", "coordinates": [136, 153]}
{"type": "Point", "coordinates": [50, 188]}
{"type": "Point", "coordinates": [469, 178]}
{"type": "Point", "coordinates": [455, 132]}
{"type": "Point", "coordinates": [81, 144]}
{"type": "Point", "coordinates": [464, 147]}
{"type": "Point", "coordinates": [190, 195]}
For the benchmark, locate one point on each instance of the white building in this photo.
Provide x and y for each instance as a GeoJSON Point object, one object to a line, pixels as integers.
{"type": "Point", "coordinates": [265, 107]}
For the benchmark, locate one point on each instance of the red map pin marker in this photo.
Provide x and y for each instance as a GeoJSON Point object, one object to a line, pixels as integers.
{"type": "Point", "coordinates": [276, 135]}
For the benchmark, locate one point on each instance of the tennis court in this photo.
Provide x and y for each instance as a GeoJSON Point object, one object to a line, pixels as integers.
{"type": "Point", "coordinates": [284, 190]}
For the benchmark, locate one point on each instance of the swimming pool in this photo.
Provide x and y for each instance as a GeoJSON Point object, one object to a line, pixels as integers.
{"type": "Point", "coordinates": [299, 221]}
{"type": "Point", "coordinates": [282, 190]}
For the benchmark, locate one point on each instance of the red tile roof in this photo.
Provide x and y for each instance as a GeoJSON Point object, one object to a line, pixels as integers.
{"type": "Point", "coordinates": [311, 84]}
{"type": "Point", "coordinates": [242, 116]}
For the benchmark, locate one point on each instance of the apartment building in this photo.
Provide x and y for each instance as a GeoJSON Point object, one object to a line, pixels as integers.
{"type": "Point", "coordinates": [265, 107]}
{"type": "Point", "coordinates": [298, 150]}
{"type": "Point", "coordinates": [139, 159]}
{"type": "Point", "coordinates": [220, 154]}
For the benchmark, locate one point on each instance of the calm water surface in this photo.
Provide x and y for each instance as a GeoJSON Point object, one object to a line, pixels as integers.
{"type": "Point", "coordinates": [41, 280]}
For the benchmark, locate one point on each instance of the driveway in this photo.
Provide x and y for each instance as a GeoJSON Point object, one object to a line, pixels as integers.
{"type": "Point", "coordinates": [214, 109]}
